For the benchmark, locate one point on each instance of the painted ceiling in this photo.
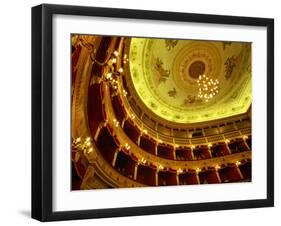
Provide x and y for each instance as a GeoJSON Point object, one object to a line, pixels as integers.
{"type": "Point", "coordinates": [164, 74]}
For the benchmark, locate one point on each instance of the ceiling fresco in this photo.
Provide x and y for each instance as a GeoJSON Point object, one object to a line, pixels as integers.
{"type": "Point", "coordinates": [165, 74]}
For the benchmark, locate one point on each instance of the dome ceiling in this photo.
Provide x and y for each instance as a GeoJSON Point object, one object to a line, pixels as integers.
{"type": "Point", "coordinates": [165, 75]}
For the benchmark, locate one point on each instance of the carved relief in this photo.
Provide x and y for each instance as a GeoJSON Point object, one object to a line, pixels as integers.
{"type": "Point", "coordinates": [172, 93]}
{"type": "Point", "coordinates": [177, 117]}
{"type": "Point", "coordinates": [225, 44]}
{"type": "Point", "coordinates": [170, 44]}
{"type": "Point", "coordinates": [153, 105]}
{"type": "Point", "coordinates": [133, 54]}
{"type": "Point", "coordinates": [162, 73]}
{"type": "Point", "coordinates": [234, 95]}
{"type": "Point", "coordinates": [191, 99]}
{"type": "Point", "coordinates": [230, 63]}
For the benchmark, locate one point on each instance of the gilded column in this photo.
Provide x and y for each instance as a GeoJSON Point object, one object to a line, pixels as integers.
{"type": "Point", "coordinates": [192, 154]}
{"type": "Point", "coordinates": [209, 150]}
{"type": "Point", "coordinates": [115, 157]}
{"type": "Point", "coordinates": [197, 177]}
{"type": "Point", "coordinates": [156, 177]}
{"type": "Point", "coordinates": [218, 175]}
{"type": "Point", "coordinates": [136, 171]}
{"type": "Point", "coordinates": [228, 149]}
{"type": "Point", "coordinates": [178, 180]}
{"type": "Point", "coordinates": [239, 172]}
{"type": "Point", "coordinates": [174, 154]}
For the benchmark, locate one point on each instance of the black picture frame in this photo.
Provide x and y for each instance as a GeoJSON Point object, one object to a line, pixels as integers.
{"type": "Point", "coordinates": [42, 107]}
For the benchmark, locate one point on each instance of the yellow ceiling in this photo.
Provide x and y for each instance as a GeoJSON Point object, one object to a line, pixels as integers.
{"type": "Point", "coordinates": [164, 74]}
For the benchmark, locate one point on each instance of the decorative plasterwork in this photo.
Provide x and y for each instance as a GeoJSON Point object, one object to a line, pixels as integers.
{"type": "Point", "coordinates": [164, 75]}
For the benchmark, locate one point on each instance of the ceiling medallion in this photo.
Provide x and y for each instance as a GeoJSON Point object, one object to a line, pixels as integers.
{"type": "Point", "coordinates": [208, 88]}
{"type": "Point", "coordinates": [196, 69]}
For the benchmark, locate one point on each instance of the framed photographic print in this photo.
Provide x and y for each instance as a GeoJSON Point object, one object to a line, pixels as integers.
{"type": "Point", "coordinates": [147, 112]}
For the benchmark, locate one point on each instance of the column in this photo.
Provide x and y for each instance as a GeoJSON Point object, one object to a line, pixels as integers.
{"type": "Point", "coordinates": [192, 154]}
{"type": "Point", "coordinates": [138, 141]}
{"type": "Point", "coordinates": [156, 177]}
{"type": "Point", "coordinates": [209, 150]}
{"type": "Point", "coordinates": [218, 175]}
{"type": "Point", "coordinates": [98, 131]}
{"type": "Point", "coordinates": [239, 172]}
{"type": "Point", "coordinates": [174, 154]}
{"type": "Point", "coordinates": [123, 122]}
{"type": "Point", "coordinates": [235, 126]}
{"type": "Point", "coordinates": [136, 171]}
{"type": "Point", "coordinates": [197, 177]}
{"type": "Point", "coordinates": [156, 152]}
{"type": "Point", "coordinates": [203, 133]}
{"type": "Point", "coordinates": [244, 139]}
{"type": "Point", "coordinates": [115, 157]}
{"type": "Point", "coordinates": [178, 180]}
{"type": "Point", "coordinates": [229, 151]}
{"type": "Point", "coordinates": [142, 114]}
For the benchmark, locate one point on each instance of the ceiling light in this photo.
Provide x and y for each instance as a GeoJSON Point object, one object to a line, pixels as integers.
{"type": "Point", "coordinates": [179, 170]}
{"type": "Point", "coordinates": [160, 167]}
{"type": "Point", "coordinates": [217, 167]}
{"type": "Point", "coordinates": [125, 92]}
{"type": "Point", "coordinates": [88, 143]}
{"type": "Point", "coordinates": [115, 53]}
{"type": "Point", "coordinates": [115, 122]}
{"type": "Point", "coordinates": [127, 146]}
{"type": "Point", "coordinates": [90, 150]}
{"type": "Point", "coordinates": [238, 163]}
{"type": "Point", "coordinates": [143, 160]}
{"type": "Point", "coordinates": [114, 60]}
{"type": "Point", "coordinates": [207, 87]}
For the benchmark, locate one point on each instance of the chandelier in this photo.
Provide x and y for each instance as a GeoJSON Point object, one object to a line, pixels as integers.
{"type": "Point", "coordinates": [207, 87]}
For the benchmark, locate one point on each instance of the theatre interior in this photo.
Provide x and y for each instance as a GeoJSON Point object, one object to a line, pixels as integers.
{"type": "Point", "coordinates": [159, 112]}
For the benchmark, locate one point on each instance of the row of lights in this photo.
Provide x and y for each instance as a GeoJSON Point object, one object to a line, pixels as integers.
{"type": "Point", "coordinates": [176, 145]}
{"type": "Point", "coordinates": [143, 161]}
{"type": "Point", "coordinates": [116, 124]}
{"type": "Point", "coordinates": [86, 145]}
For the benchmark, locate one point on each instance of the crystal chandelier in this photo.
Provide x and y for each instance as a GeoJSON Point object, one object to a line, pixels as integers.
{"type": "Point", "coordinates": [208, 87]}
